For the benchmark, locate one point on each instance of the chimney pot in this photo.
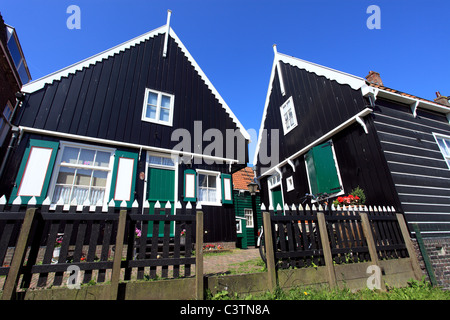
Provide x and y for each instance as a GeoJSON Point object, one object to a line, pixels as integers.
{"type": "Point", "coordinates": [374, 77]}
{"type": "Point", "coordinates": [442, 99]}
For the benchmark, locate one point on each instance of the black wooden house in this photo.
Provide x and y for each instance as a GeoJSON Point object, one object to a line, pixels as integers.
{"type": "Point", "coordinates": [326, 131]}
{"type": "Point", "coordinates": [132, 123]}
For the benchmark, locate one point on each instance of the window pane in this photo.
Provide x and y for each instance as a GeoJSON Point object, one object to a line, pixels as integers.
{"type": "Point", "coordinates": [65, 176]}
{"type": "Point", "coordinates": [202, 180]}
{"type": "Point", "coordinates": [83, 177]}
{"type": "Point", "coordinates": [61, 192]}
{"type": "Point", "coordinates": [96, 195]}
{"type": "Point", "coordinates": [168, 162]}
{"type": "Point", "coordinates": [443, 147]}
{"type": "Point", "coordinates": [99, 178]}
{"type": "Point", "coordinates": [70, 155]}
{"type": "Point", "coordinates": [86, 157]}
{"type": "Point", "coordinates": [155, 160]}
{"type": "Point", "coordinates": [151, 112]}
{"type": "Point", "coordinates": [80, 194]}
{"type": "Point", "coordinates": [164, 115]}
{"type": "Point", "coordinates": [152, 98]}
{"type": "Point", "coordinates": [165, 102]}
{"type": "Point", "coordinates": [102, 159]}
{"type": "Point", "coordinates": [211, 181]}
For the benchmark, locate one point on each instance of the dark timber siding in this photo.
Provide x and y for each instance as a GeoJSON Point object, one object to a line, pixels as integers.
{"type": "Point", "coordinates": [420, 174]}
{"type": "Point", "coordinates": [105, 100]}
{"type": "Point", "coordinates": [320, 104]}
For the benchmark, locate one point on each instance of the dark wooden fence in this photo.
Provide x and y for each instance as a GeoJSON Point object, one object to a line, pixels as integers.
{"type": "Point", "coordinates": [103, 243]}
{"type": "Point", "coordinates": [314, 236]}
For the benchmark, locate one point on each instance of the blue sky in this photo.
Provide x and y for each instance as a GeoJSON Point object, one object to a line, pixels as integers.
{"type": "Point", "coordinates": [232, 40]}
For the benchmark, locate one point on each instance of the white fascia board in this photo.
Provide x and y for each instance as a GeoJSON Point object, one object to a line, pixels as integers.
{"type": "Point", "coordinates": [325, 137]}
{"type": "Point", "coordinates": [123, 144]}
{"type": "Point", "coordinates": [329, 73]}
{"type": "Point", "coordinates": [57, 75]}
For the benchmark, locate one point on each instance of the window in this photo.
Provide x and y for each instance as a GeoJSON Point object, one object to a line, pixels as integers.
{"type": "Point", "coordinates": [322, 170]}
{"type": "Point", "coordinates": [208, 187]}
{"type": "Point", "coordinates": [290, 183]}
{"type": "Point", "coordinates": [82, 173]}
{"type": "Point", "coordinates": [444, 145]}
{"type": "Point", "coordinates": [288, 117]}
{"type": "Point", "coordinates": [158, 107]}
{"type": "Point", "coordinates": [248, 214]}
{"type": "Point", "coordinates": [274, 180]}
{"type": "Point", "coordinates": [17, 55]}
{"type": "Point", "coordinates": [161, 161]}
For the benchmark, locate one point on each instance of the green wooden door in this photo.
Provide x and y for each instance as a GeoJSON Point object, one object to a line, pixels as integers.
{"type": "Point", "coordinates": [277, 198]}
{"type": "Point", "coordinates": [160, 187]}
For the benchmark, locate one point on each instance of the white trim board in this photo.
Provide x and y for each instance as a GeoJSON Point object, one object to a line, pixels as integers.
{"type": "Point", "coordinates": [40, 83]}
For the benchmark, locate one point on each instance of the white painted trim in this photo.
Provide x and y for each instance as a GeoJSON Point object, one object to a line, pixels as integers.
{"type": "Point", "coordinates": [40, 83]}
{"type": "Point", "coordinates": [218, 201]}
{"type": "Point", "coordinates": [324, 138]}
{"type": "Point", "coordinates": [121, 144]}
{"type": "Point", "coordinates": [341, 77]}
{"type": "Point", "coordinates": [279, 73]}
{"type": "Point", "coordinates": [294, 115]}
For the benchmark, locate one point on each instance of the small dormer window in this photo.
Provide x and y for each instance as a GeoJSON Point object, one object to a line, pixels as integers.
{"type": "Point", "coordinates": [288, 117]}
{"type": "Point", "coordinates": [158, 107]}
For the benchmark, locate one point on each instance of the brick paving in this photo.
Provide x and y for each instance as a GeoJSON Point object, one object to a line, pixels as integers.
{"type": "Point", "coordinates": [223, 263]}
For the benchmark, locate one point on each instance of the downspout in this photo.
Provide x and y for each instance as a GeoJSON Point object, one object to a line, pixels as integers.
{"type": "Point", "coordinates": [426, 258]}
{"type": "Point", "coordinates": [15, 132]}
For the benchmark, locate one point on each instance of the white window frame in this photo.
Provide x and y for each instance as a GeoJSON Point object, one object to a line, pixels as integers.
{"type": "Point", "coordinates": [158, 107]}
{"type": "Point", "coordinates": [58, 165]}
{"type": "Point", "coordinates": [290, 184]}
{"type": "Point", "coordinates": [217, 174]}
{"type": "Point", "coordinates": [443, 152]}
{"type": "Point", "coordinates": [286, 128]}
{"type": "Point", "coordinates": [248, 214]}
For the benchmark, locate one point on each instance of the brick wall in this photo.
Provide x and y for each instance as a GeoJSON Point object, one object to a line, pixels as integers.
{"type": "Point", "coordinates": [438, 250]}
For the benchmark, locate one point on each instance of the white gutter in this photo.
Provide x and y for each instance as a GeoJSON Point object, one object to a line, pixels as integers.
{"type": "Point", "coordinates": [322, 139]}
{"type": "Point", "coordinates": [123, 144]}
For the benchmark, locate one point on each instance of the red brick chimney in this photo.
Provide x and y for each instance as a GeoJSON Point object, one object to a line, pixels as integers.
{"type": "Point", "coordinates": [441, 99]}
{"type": "Point", "coordinates": [374, 77]}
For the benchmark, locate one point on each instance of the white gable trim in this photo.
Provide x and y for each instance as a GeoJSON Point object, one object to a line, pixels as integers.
{"type": "Point", "coordinates": [57, 75]}
{"type": "Point", "coordinates": [40, 83]}
{"type": "Point", "coordinates": [341, 77]}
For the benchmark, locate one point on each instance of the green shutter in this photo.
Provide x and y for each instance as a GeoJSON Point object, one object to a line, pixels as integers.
{"type": "Point", "coordinates": [322, 169]}
{"type": "Point", "coordinates": [118, 198]}
{"type": "Point", "coordinates": [190, 185]}
{"type": "Point", "coordinates": [227, 185]}
{"type": "Point", "coordinates": [48, 170]}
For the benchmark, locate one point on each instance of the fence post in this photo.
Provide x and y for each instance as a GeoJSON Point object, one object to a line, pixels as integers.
{"type": "Point", "coordinates": [326, 249]}
{"type": "Point", "coordinates": [115, 276]}
{"type": "Point", "coordinates": [409, 246]}
{"type": "Point", "coordinates": [270, 257]}
{"type": "Point", "coordinates": [367, 230]}
{"type": "Point", "coordinates": [199, 289]}
{"type": "Point", "coordinates": [19, 255]}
